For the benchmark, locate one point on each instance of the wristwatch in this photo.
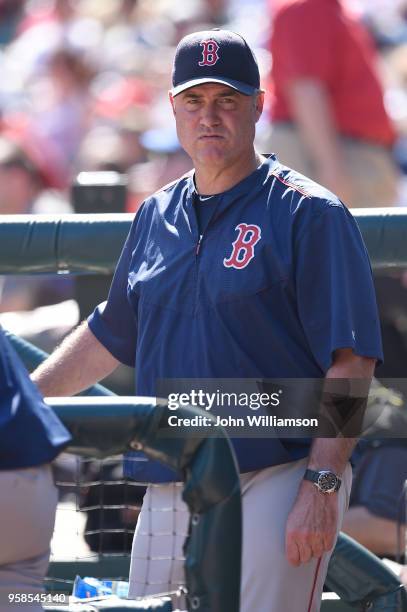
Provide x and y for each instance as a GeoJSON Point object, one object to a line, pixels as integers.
{"type": "Point", "coordinates": [325, 480]}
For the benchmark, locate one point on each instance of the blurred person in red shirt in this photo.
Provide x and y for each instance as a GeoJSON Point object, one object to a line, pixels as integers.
{"type": "Point", "coordinates": [327, 111]}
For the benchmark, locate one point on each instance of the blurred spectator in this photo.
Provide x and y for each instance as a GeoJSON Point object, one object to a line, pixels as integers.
{"type": "Point", "coordinates": [327, 111]}
{"type": "Point", "coordinates": [10, 15]}
{"type": "Point", "coordinates": [387, 20]}
{"type": "Point", "coordinates": [21, 180]}
{"type": "Point", "coordinates": [215, 11]}
{"type": "Point", "coordinates": [377, 512]}
{"type": "Point", "coordinates": [53, 11]}
{"type": "Point", "coordinates": [23, 183]}
{"type": "Point", "coordinates": [110, 148]}
{"type": "Point", "coordinates": [329, 122]}
{"type": "Point", "coordinates": [391, 292]}
{"type": "Point", "coordinates": [396, 102]}
{"type": "Point", "coordinates": [61, 114]}
{"type": "Point", "coordinates": [27, 173]}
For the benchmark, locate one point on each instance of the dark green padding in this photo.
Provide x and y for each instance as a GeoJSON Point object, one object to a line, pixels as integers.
{"type": "Point", "coordinates": [105, 426]}
{"type": "Point", "coordinates": [362, 580]}
{"type": "Point", "coordinates": [61, 243]}
{"type": "Point", "coordinates": [92, 243]}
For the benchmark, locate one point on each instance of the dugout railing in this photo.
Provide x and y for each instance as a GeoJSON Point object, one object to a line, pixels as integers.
{"type": "Point", "coordinates": [91, 244]}
{"type": "Point", "coordinates": [82, 244]}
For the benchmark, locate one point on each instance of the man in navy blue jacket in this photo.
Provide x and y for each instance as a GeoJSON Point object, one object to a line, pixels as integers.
{"type": "Point", "coordinates": [31, 436]}
{"type": "Point", "coordinates": [244, 269]}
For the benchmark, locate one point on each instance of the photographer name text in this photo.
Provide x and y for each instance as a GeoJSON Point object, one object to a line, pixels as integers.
{"type": "Point", "coordinates": [247, 421]}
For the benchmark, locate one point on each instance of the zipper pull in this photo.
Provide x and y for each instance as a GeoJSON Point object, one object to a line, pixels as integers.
{"type": "Point", "coordinates": [198, 246]}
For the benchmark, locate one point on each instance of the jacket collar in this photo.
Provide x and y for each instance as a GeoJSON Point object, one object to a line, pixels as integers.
{"type": "Point", "coordinates": [250, 184]}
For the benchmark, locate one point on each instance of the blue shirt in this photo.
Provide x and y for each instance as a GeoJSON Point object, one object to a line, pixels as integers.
{"type": "Point", "coordinates": [30, 432]}
{"type": "Point", "coordinates": [181, 307]}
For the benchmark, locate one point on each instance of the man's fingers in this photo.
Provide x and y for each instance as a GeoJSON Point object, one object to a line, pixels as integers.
{"type": "Point", "coordinates": [292, 550]}
{"type": "Point", "coordinates": [311, 527]}
{"type": "Point", "coordinates": [300, 547]}
{"type": "Point", "coordinates": [328, 542]}
{"type": "Point", "coordinates": [306, 552]}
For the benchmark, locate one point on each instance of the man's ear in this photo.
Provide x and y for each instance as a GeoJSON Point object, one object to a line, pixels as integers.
{"type": "Point", "coordinates": [259, 103]}
{"type": "Point", "coordinates": [171, 99]}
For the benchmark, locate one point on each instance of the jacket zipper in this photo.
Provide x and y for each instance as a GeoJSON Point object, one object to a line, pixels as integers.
{"type": "Point", "coordinates": [198, 246]}
{"type": "Point", "coordinates": [197, 250]}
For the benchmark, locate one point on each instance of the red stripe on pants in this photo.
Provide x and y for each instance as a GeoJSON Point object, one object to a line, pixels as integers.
{"type": "Point", "coordinates": [314, 584]}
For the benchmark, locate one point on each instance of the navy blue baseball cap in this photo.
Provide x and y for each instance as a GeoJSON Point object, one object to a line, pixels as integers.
{"type": "Point", "coordinates": [215, 56]}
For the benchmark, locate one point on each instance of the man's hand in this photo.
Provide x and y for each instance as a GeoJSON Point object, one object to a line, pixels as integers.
{"type": "Point", "coordinates": [313, 521]}
{"type": "Point", "coordinates": [311, 525]}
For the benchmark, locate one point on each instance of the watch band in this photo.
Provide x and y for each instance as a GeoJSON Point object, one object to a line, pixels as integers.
{"type": "Point", "coordinates": [325, 480]}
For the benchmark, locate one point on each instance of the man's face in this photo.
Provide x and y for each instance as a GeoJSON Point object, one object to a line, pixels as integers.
{"type": "Point", "coordinates": [215, 123]}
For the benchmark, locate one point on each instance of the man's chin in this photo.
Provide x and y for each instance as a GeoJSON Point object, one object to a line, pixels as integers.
{"type": "Point", "coordinates": [212, 154]}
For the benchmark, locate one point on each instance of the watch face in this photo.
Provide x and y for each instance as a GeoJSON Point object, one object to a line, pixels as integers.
{"type": "Point", "coordinates": [327, 482]}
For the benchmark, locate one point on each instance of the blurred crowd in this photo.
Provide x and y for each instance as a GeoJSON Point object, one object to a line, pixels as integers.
{"type": "Point", "coordinates": [85, 85]}
{"type": "Point", "coordinates": [85, 88]}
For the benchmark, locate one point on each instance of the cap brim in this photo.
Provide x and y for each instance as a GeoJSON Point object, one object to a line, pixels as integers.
{"type": "Point", "coordinates": [243, 88]}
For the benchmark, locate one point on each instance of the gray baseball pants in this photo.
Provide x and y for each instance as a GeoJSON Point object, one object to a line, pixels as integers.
{"type": "Point", "coordinates": [28, 500]}
{"type": "Point", "coordinates": [269, 582]}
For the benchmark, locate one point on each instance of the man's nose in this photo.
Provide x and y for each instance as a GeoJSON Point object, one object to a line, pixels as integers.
{"type": "Point", "coordinates": [209, 115]}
